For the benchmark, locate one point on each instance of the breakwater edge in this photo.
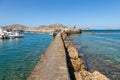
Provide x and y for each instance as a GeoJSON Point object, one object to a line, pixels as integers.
{"type": "Point", "coordinates": [61, 62]}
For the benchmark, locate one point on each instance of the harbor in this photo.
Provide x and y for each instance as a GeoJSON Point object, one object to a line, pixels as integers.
{"type": "Point", "coordinates": [4, 34]}
{"type": "Point", "coordinates": [60, 56]}
{"type": "Point", "coordinates": [59, 40]}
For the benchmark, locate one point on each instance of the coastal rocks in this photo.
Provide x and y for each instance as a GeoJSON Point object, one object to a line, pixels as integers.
{"type": "Point", "coordinates": [68, 44]}
{"type": "Point", "coordinates": [73, 31]}
{"type": "Point", "coordinates": [98, 76]}
{"type": "Point", "coordinates": [76, 64]}
{"type": "Point", "coordinates": [64, 35]}
{"type": "Point", "coordinates": [85, 75]}
{"type": "Point", "coordinates": [73, 52]}
{"type": "Point", "coordinates": [69, 31]}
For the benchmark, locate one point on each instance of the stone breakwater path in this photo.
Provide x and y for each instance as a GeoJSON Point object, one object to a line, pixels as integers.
{"type": "Point", "coordinates": [52, 65]}
{"type": "Point", "coordinates": [61, 62]}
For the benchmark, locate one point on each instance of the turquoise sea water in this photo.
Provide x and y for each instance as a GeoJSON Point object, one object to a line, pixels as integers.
{"type": "Point", "coordinates": [19, 56]}
{"type": "Point", "coordinates": [100, 51]}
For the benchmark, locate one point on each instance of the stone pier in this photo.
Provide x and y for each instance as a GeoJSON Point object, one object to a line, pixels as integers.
{"type": "Point", "coordinates": [52, 65]}
{"type": "Point", "coordinates": [61, 62]}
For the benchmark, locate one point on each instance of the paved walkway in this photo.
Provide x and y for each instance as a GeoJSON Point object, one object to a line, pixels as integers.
{"type": "Point", "coordinates": [53, 65]}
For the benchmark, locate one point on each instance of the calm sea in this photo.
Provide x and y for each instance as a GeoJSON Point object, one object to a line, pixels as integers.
{"type": "Point", "coordinates": [100, 50]}
{"type": "Point", "coordinates": [19, 56]}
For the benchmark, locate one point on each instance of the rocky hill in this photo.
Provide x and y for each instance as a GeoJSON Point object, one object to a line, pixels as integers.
{"type": "Point", "coordinates": [47, 28]}
{"type": "Point", "coordinates": [15, 27]}
{"type": "Point", "coordinates": [42, 28]}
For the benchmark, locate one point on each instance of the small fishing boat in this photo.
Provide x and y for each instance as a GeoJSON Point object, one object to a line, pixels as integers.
{"type": "Point", "coordinates": [53, 34]}
{"type": "Point", "coordinates": [1, 37]}
{"type": "Point", "coordinates": [1, 34]}
{"type": "Point", "coordinates": [11, 35]}
{"type": "Point", "coordinates": [18, 35]}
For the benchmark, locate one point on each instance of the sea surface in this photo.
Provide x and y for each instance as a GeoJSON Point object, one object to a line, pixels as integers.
{"type": "Point", "coordinates": [100, 50]}
{"type": "Point", "coordinates": [19, 56]}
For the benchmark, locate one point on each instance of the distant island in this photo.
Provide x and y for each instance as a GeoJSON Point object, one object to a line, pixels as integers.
{"type": "Point", "coordinates": [112, 28]}
{"type": "Point", "coordinates": [86, 28]}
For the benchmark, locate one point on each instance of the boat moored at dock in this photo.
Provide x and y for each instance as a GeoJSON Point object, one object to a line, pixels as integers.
{"type": "Point", "coordinates": [10, 34]}
{"type": "Point", "coordinates": [53, 34]}
{"type": "Point", "coordinates": [18, 35]}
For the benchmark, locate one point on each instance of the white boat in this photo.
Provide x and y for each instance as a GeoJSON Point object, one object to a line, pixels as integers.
{"type": "Point", "coordinates": [18, 35]}
{"type": "Point", "coordinates": [1, 37]}
{"type": "Point", "coordinates": [53, 34]}
{"type": "Point", "coordinates": [11, 35]}
{"type": "Point", "coordinates": [1, 33]}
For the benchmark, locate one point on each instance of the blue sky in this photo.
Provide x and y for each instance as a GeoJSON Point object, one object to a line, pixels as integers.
{"type": "Point", "coordinates": [84, 13]}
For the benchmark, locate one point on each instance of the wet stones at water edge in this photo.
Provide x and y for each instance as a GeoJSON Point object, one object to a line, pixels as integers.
{"type": "Point", "coordinates": [85, 75]}
{"type": "Point", "coordinates": [76, 64]}
{"type": "Point", "coordinates": [63, 35]}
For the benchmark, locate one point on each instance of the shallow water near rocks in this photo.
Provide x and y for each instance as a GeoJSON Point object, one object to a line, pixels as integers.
{"type": "Point", "coordinates": [100, 51]}
{"type": "Point", "coordinates": [19, 56]}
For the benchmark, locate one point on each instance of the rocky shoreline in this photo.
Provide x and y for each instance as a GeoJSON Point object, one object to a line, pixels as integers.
{"type": "Point", "coordinates": [77, 68]}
